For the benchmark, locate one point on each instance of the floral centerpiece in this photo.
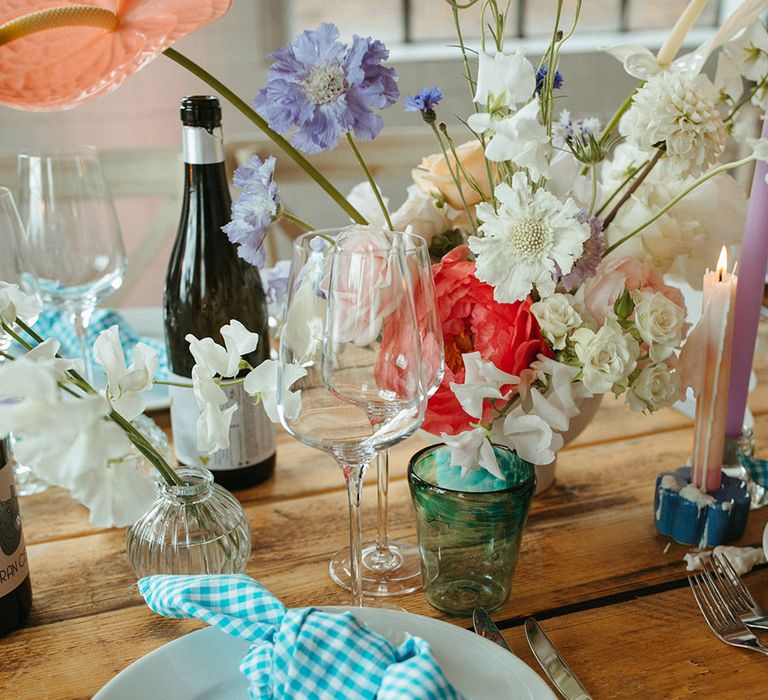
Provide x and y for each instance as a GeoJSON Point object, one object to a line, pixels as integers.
{"type": "Point", "coordinates": [552, 233]}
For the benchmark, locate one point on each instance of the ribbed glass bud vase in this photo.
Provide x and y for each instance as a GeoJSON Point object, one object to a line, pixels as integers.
{"type": "Point", "coordinates": [196, 528]}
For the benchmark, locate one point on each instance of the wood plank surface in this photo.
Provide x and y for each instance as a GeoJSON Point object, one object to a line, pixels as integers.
{"type": "Point", "coordinates": [608, 589]}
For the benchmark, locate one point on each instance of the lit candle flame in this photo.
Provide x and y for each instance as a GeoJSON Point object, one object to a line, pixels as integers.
{"type": "Point", "coordinates": [722, 263]}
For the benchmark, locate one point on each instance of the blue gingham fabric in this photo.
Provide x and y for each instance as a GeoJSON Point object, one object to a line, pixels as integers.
{"type": "Point", "coordinates": [756, 468]}
{"type": "Point", "coordinates": [53, 324]}
{"type": "Point", "coordinates": [301, 653]}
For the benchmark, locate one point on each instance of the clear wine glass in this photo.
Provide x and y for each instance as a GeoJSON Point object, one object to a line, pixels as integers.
{"type": "Point", "coordinates": [394, 567]}
{"type": "Point", "coordinates": [350, 322]}
{"type": "Point", "coordinates": [15, 263]}
{"type": "Point", "coordinates": [72, 233]}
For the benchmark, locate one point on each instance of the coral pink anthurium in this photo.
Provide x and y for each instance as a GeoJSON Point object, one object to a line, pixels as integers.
{"type": "Point", "coordinates": [56, 54]}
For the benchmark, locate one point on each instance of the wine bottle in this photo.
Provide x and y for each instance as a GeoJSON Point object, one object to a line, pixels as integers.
{"type": "Point", "coordinates": [207, 286]}
{"type": "Point", "coordinates": [15, 584]}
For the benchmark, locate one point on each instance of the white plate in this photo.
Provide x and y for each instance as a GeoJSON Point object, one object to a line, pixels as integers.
{"type": "Point", "coordinates": [204, 664]}
{"type": "Point", "coordinates": [147, 322]}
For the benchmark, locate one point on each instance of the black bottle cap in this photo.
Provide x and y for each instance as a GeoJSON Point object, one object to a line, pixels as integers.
{"type": "Point", "coordinates": [201, 110]}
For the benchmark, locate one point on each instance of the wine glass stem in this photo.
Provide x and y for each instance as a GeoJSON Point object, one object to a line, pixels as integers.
{"type": "Point", "coordinates": [382, 510]}
{"type": "Point", "coordinates": [80, 320]}
{"type": "Point", "coordinates": [353, 474]}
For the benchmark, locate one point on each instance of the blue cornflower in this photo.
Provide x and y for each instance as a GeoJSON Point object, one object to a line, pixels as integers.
{"type": "Point", "coordinates": [254, 209]}
{"type": "Point", "coordinates": [424, 101]}
{"type": "Point", "coordinates": [541, 76]}
{"type": "Point", "coordinates": [325, 89]}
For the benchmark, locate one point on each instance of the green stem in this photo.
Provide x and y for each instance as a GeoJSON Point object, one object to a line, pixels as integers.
{"type": "Point", "coordinates": [455, 177]}
{"type": "Point", "coordinates": [261, 123]}
{"type": "Point", "coordinates": [721, 169]}
{"type": "Point", "coordinates": [16, 336]}
{"type": "Point", "coordinates": [746, 99]}
{"type": "Point", "coordinates": [593, 168]}
{"type": "Point", "coordinates": [467, 71]}
{"type": "Point", "coordinates": [369, 177]}
{"type": "Point", "coordinates": [296, 220]}
{"type": "Point", "coordinates": [623, 184]}
{"type": "Point", "coordinates": [549, 101]}
{"type": "Point", "coordinates": [632, 188]}
{"type": "Point", "coordinates": [614, 120]}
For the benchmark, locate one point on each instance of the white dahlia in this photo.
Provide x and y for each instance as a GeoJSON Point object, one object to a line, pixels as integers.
{"type": "Point", "coordinates": [525, 242]}
{"type": "Point", "coordinates": [673, 110]}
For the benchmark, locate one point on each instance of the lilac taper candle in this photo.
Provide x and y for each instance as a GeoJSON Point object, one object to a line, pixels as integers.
{"type": "Point", "coordinates": [749, 297]}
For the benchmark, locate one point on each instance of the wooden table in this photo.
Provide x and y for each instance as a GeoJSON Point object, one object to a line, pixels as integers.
{"type": "Point", "coordinates": [606, 587]}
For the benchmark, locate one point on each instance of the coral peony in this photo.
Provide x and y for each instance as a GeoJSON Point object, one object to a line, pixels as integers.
{"type": "Point", "coordinates": [506, 334]}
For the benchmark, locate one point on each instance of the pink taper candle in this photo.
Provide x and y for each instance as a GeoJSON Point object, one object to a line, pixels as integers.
{"type": "Point", "coordinates": [749, 297]}
{"type": "Point", "coordinates": [712, 400]}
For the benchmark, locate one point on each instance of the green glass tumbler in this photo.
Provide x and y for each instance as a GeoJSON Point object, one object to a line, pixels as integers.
{"type": "Point", "coordinates": [469, 528]}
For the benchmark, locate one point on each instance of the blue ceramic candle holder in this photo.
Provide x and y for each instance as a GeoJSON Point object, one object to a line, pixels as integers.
{"type": "Point", "coordinates": [690, 517]}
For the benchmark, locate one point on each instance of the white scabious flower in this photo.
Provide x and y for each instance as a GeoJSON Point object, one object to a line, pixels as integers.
{"type": "Point", "coordinates": [673, 110]}
{"type": "Point", "coordinates": [525, 241]}
{"type": "Point", "coordinates": [657, 386]}
{"type": "Point", "coordinates": [557, 318]}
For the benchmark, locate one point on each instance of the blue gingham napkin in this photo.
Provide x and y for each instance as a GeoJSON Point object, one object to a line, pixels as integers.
{"type": "Point", "coordinates": [301, 653]}
{"type": "Point", "coordinates": [53, 324]}
{"type": "Point", "coordinates": [756, 468]}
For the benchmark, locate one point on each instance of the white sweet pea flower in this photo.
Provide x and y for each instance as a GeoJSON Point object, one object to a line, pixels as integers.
{"type": "Point", "coordinates": [262, 382]}
{"type": "Point", "coordinates": [749, 51]}
{"type": "Point", "coordinates": [482, 380]}
{"type": "Point", "coordinates": [557, 318]}
{"type": "Point", "coordinates": [660, 323]}
{"type": "Point", "coordinates": [657, 386]}
{"type": "Point", "coordinates": [608, 357]}
{"type": "Point", "coordinates": [213, 422]}
{"type": "Point", "coordinates": [14, 303]}
{"type": "Point", "coordinates": [506, 80]}
{"type": "Point", "coordinates": [46, 352]}
{"type": "Point", "coordinates": [529, 435]}
{"type": "Point", "coordinates": [564, 391]}
{"type": "Point", "coordinates": [224, 361]}
{"type": "Point", "coordinates": [520, 138]}
{"type": "Point", "coordinates": [125, 384]}
{"type": "Point", "coordinates": [420, 212]}
{"type": "Point", "coordinates": [728, 80]}
{"type": "Point", "coordinates": [471, 449]}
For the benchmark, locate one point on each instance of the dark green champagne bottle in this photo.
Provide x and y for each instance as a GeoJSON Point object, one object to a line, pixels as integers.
{"type": "Point", "coordinates": [207, 286]}
{"type": "Point", "coordinates": [15, 584]}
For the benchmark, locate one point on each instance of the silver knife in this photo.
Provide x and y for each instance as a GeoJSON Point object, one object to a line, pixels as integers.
{"type": "Point", "coordinates": [554, 665]}
{"type": "Point", "coordinates": [486, 627]}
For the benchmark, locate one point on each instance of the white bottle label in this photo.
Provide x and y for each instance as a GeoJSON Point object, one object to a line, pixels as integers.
{"type": "Point", "coordinates": [13, 554]}
{"type": "Point", "coordinates": [251, 433]}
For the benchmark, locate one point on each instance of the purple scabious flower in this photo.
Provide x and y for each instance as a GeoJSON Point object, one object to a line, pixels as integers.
{"type": "Point", "coordinates": [423, 101]}
{"type": "Point", "coordinates": [325, 89]}
{"type": "Point", "coordinates": [594, 247]}
{"type": "Point", "coordinates": [541, 76]}
{"type": "Point", "coordinates": [254, 208]}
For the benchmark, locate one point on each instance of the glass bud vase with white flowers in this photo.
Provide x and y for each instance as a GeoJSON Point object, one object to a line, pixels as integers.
{"type": "Point", "coordinates": [78, 438]}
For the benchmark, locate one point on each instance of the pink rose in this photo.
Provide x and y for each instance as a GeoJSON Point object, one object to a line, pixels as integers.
{"type": "Point", "coordinates": [616, 274]}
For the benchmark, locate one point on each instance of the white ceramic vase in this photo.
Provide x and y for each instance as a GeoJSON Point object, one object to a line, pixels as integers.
{"type": "Point", "coordinates": [545, 474]}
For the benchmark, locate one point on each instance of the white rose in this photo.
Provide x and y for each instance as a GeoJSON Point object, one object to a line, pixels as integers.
{"type": "Point", "coordinates": [660, 323]}
{"type": "Point", "coordinates": [608, 357]}
{"type": "Point", "coordinates": [557, 318]}
{"type": "Point", "coordinates": [420, 213]}
{"type": "Point", "coordinates": [657, 386]}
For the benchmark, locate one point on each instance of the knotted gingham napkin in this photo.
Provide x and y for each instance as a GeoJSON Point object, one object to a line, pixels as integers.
{"type": "Point", "coordinates": [302, 653]}
{"type": "Point", "coordinates": [54, 324]}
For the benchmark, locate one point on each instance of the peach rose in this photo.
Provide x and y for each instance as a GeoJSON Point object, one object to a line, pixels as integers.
{"type": "Point", "coordinates": [433, 177]}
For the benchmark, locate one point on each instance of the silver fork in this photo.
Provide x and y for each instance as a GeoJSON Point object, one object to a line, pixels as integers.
{"type": "Point", "coordinates": [720, 618]}
{"type": "Point", "coordinates": [738, 596]}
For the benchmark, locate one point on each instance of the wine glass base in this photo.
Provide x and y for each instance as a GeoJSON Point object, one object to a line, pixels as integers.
{"type": "Point", "coordinates": [27, 484]}
{"type": "Point", "coordinates": [395, 572]}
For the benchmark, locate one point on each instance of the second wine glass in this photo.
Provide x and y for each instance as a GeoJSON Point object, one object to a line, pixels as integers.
{"type": "Point", "coordinates": [72, 233]}
{"type": "Point", "coordinates": [392, 567]}
{"type": "Point", "coordinates": [350, 323]}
